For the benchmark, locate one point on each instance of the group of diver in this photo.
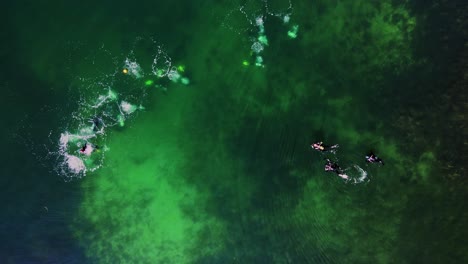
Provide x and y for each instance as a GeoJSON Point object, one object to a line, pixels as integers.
{"type": "Point", "coordinates": [331, 166]}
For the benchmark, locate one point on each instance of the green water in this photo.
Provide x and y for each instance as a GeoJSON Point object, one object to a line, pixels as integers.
{"type": "Point", "coordinates": [220, 170]}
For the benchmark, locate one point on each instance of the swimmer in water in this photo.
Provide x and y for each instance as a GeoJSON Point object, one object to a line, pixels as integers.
{"type": "Point", "coordinates": [97, 123]}
{"type": "Point", "coordinates": [88, 148]}
{"type": "Point", "coordinates": [324, 148]}
{"type": "Point", "coordinates": [372, 158]}
{"type": "Point", "coordinates": [334, 167]}
{"type": "Point", "coordinates": [331, 166]}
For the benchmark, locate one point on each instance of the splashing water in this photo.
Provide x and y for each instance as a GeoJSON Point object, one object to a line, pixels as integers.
{"type": "Point", "coordinates": [355, 175]}
{"type": "Point", "coordinates": [133, 68]}
{"type": "Point", "coordinates": [107, 101]}
{"type": "Point", "coordinates": [361, 175]}
{"type": "Point", "coordinates": [257, 47]}
{"type": "Point", "coordinates": [251, 17]}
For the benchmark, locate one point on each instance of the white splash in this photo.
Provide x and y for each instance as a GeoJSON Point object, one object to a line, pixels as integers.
{"type": "Point", "coordinates": [103, 99]}
{"type": "Point", "coordinates": [257, 47]}
{"type": "Point", "coordinates": [127, 107]}
{"type": "Point", "coordinates": [75, 164]}
{"type": "Point", "coordinates": [89, 148]}
{"type": "Point", "coordinates": [173, 74]}
{"type": "Point", "coordinates": [133, 68]}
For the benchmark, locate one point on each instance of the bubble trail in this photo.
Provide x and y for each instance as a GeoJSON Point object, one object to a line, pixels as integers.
{"type": "Point", "coordinates": [256, 13]}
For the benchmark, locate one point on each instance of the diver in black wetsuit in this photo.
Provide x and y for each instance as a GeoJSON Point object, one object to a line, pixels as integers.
{"type": "Point", "coordinates": [89, 148]}
{"type": "Point", "coordinates": [334, 167]}
{"type": "Point", "coordinates": [83, 148]}
{"type": "Point", "coordinates": [372, 158]}
{"type": "Point", "coordinates": [98, 124]}
{"type": "Point", "coordinates": [324, 148]}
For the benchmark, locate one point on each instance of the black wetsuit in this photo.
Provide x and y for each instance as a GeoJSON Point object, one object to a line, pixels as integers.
{"type": "Point", "coordinates": [334, 167]}
{"type": "Point", "coordinates": [372, 158]}
{"type": "Point", "coordinates": [323, 148]}
{"type": "Point", "coordinates": [97, 123]}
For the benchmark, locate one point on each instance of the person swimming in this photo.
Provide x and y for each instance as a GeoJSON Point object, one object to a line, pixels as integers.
{"type": "Point", "coordinates": [334, 167]}
{"type": "Point", "coordinates": [97, 124]}
{"type": "Point", "coordinates": [324, 148]}
{"type": "Point", "coordinates": [331, 166]}
{"type": "Point", "coordinates": [372, 158]}
{"type": "Point", "coordinates": [88, 148]}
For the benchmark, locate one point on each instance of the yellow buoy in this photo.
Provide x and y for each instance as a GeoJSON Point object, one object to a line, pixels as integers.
{"type": "Point", "coordinates": [125, 71]}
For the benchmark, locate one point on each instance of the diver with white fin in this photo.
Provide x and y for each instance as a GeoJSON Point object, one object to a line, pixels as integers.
{"type": "Point", "coordinates": [324, 148]}
{"type": "Point", "coordinates": [334, 167]}
{"type": "Point", "coordinates": [372, 158]}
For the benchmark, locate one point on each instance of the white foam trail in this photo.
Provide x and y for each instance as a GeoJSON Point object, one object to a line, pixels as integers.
{"type": "Point", "coordinates": [362, 174]}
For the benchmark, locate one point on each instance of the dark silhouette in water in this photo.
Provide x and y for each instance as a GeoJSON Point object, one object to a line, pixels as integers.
{"type": "Point", "coordinates": [334, 167]}
{"type": "Point", "coordinates": [98, 124]}
{"type": "Point", "coordinates": [372, 158]}
{"type": "Point", "coordinates": [324, 148]}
